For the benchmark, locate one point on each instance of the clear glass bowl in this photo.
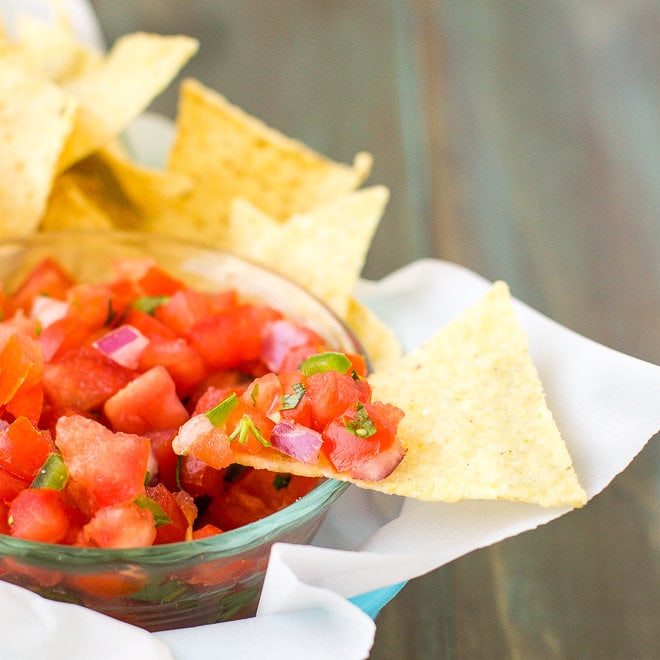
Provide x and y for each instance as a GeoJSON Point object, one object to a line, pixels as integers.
{"type": "Point", "coordinates": [180, 584]}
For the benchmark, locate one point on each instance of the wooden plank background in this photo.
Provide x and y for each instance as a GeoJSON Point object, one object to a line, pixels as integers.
{"type": "Point", "coordinates": [520, 139]}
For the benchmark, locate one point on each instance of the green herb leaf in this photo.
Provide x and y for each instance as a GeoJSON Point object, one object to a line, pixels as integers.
{"type": "Point", "coordinates": [362, 426]}
{"type": "Point", "coordinates": [233, 472]}
{"type": "Point", "coordinates": [149, 304]}
{"type": "Point", "coordinates": [53, 473]}
{"type": "Point", "coordinates": [281, 481]}
{"type": "Point", "coordinates": [328, 361]}
{"type": "Point", "coordinates": [290, 401]}
{"type": "Point", "coordinates": [160, 516]}
{"type": "Point", "coordinates": [244, 428]}
{"type": "Point", "coordinates": [218, 414]}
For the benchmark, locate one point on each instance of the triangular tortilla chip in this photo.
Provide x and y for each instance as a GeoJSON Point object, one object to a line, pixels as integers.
{"type": "Point", "coordinates": [116, 89]}
{"type": "Point", "coordinates": [230, 154]}
{"type": "Point", "coordinates": [35, 121]}
{"type": "Point", "coordinates": [323, 250]}
{"type": "Point", "coordinates": [477, 425]}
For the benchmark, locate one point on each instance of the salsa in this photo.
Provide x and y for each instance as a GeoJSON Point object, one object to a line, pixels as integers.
{"type": "Point", "coordinates": [128, 406]}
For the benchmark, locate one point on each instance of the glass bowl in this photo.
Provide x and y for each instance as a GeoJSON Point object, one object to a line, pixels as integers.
{"type": "Point", "coordinates": [178, 584]}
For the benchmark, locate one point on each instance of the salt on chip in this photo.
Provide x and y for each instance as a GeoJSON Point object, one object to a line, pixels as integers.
{"type": "Point", "coordinates": [116, 89]}
{"type": "Point", "coordinates": [477, 425]}
{"type": "Point", "coordinates": [323, 250]}
{"type": "Point", "coordinates": [229, 154]}
{"type": "Point", "coordinates": [36, 119]}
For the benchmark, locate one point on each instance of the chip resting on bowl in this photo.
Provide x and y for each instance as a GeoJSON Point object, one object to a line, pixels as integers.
{"type": "Point", "coordinates": [477, 425]}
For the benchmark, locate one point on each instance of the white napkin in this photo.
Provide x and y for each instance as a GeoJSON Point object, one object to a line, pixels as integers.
{"type": "Point", "coordinates": [605, 403]}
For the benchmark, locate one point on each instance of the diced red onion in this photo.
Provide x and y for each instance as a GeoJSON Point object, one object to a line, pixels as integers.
{"type": "Point", "coordinates": [123, 345]}
{"type": "Point", "coordinates": [281, 337]}
{"type": "Point", "coordinates": [297, 441]}
{"type": "Point", "coordinates": [381, 465]}
{"type": "Point", "coordinates": [47, 310]}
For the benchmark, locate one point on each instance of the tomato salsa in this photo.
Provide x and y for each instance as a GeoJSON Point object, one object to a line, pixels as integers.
{"type": "Point", "coordinates": [127, 406]}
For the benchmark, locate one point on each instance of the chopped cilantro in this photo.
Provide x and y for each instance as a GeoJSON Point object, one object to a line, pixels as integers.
{"type": "Point", "coordinates": [362, 426]}
{"type": "Point", "coordinates": [149, 304]}
{"type": "Point", "coordinates": [290, 401]}
{"type": "Point", "coordinates": [281, 481]}
{"type": "Point", "coordinates": [244, 428]}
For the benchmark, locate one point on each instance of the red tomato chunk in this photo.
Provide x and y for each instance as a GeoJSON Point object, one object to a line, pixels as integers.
{"type": "Point", "coordinates": [102, 384]}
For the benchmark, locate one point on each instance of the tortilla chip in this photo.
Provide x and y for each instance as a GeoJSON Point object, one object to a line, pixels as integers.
{"type": "Point", "coordinates": [477, 425]}
{"type": "Point", "coordinates": [70, 208]}
{"type": "Point", "coordinates": [230, 155]}
{"type": "Point", "coordinates": [380, 343]}
{"type": "Point", "coordinates": [35, 120]}
{"type": "Point", "coordinates": [120, 86]}
{"type": "Point", "coordinates": [323, 250]}
{"type": "Point", "coordinates": [49, 51]}
{"type": "Point", "coordinates": [148, 188]}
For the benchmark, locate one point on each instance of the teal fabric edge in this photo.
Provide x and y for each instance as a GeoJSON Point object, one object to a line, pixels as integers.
{"type": "Point", "coordinates": [372, 602]}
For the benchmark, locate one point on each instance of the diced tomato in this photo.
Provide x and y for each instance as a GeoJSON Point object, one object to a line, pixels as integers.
{"type": "Point", "coordinates": [157, 282]}
{"type": "Point", "coordinates": [149, 326]}
{"type": "Point", "coordinates": [109, 467]}
{"type": "Point", "coordinates": [39, 514]}
{"type": "Point", "coordinates": [182, 361]}
{"type": "Point", "coordinates": [23, 448]}
{"type": "Point", "coordinates": [213, 448]}
{"type": "Point", "coordinates": [48, 278]}
{"type": "Point", "coordinates": [187, 307]}
{"type": "Point", "coordinates": [148, 402]}
{"type": "Point", "coordinates": [264, 394]}
{"type": "Point", "coordinates": [4, 518]}
{"type": "Point", "coordinates": [62, 336]}
{"type": "Point", "coordinates": [345, 450]}
{"type": "Point", "coordinates": [11, 485]}
{"type": "Point", "coordinates": [161, 448]}
{"type": "Point", "coordinates": [177, 529]}
{"type": "Point", "coordinates": [199, 478]}
{"type": "Point", "coordinates": [300, 412]}
{"type": "Point", "coordinates": [207, 530]}
{"type": "Point", "coordinates": [21, 362]}
{"type": "Point", "coordinates": [110, 584]}
{"type": "Point", "coordinates": [229, 339]}
{"type": "Point", "coordinates": [254, 497]}
{"type": "Point", "coordinates": [121, 526]}
{"type": "Point", "coordinates": [331, 393]}
{"type": "Point", "coordinates": [84, 379]}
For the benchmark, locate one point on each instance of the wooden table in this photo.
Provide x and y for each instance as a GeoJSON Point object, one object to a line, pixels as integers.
{"type": "Point", "coordinates": [520, 139]}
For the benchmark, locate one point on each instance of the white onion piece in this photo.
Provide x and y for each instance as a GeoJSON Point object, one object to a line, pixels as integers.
{"type": "Point", "coordinates": [189, 432]}
{"type": "Point", "coordinates": [123, 345]}
{"type": "Point", "coordinates": [297, 441]}
{"type": "Point", "coordinates": [47, 310]}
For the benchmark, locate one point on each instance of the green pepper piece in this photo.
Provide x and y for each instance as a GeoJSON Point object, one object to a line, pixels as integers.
{"type": "Point", "coordinates": [328, 361]}
{"type": "Point", "coordinates": [53, 473]}
{"type": "Point", "coordinates": [218, 414]}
